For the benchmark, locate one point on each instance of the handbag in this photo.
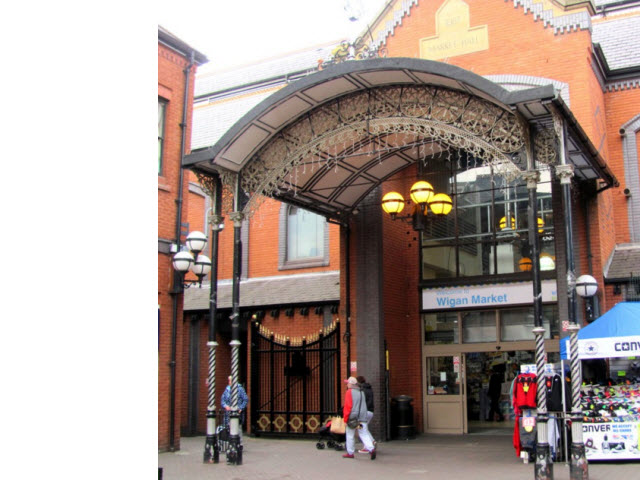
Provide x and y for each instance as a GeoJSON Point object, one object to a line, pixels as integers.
{"type": "Point", "coordinates": [353, 422]}
{"type": "Point", "coordinates": [337, 425]}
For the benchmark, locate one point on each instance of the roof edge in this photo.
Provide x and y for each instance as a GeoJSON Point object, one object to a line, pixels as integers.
{"type": "Point", "coordinates": [172, 41]}
{"type": "Point", "coordinates": [500, 95]}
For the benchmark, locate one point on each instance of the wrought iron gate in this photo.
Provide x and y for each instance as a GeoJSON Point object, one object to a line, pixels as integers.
{"type": "Point", "coordinates": [295, 384]}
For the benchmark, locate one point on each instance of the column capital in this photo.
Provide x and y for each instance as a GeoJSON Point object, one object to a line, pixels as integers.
{"type": "Point", "coordinates": [564, 173]}
{"type": "Point", "coordinates": [237, 218]}
{"type": "Point", "coordinates": [215, 221]}
{"type": "Point", "coordinates": [573, 327]}
{"type": "Point", "coordinates": [539, 331]}
{"type": "Point", "coordinates": [532, 177]}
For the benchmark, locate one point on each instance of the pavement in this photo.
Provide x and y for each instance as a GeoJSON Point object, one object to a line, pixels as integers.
{"type": "Point", "coordinates": [487, 455]}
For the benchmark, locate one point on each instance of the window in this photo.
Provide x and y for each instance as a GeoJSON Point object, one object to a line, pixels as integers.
{"type": "Point", "coordinates": [304, 238]}
{"type": "Point", "coordinates": [486, 233]}
{"type": "Point", "coordinates": [305, 232]}
{"type": "Point", "coordinates": [482, 326]}
{"type": "Point", "coordinates": [162, 107]}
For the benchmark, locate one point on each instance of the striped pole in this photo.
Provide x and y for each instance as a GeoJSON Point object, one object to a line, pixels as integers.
{"type": "Point", "coordinates": [234, 452]}
{"type": "Point", "coordinates": [579, 468]}
{"type": "Point", "coordinates": [211, 450]}
{"type": "Point", "coordinates": [213, 187]}
{"type": "Point", "coordinates": [543, 463]}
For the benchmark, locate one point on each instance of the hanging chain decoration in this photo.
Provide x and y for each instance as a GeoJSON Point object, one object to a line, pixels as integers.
{"type": "Point", "coordinates": [399, 115]}
{"type": "Point", "coordinates": [297, 341]}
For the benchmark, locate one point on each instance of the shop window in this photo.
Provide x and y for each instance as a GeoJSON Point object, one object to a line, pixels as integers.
{"type": "Point", "coordinates": [304, 238]}
{"type": "Point", "coordinates": [479, 326]}
{"type": "Point", "coordinates": [518, 323]}
{"type": "Point", "coordinates": [486, 233]}
{"type": "Point", "coordinates": [440, 328]}
{"type": "Point", "coordinates": [443, 375]}
{"type": "Point", "coordinates": [162, 108]}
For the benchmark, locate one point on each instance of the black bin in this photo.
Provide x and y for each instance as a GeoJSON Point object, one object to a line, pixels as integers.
{"type": "Point", "coordinates": [402, 418]}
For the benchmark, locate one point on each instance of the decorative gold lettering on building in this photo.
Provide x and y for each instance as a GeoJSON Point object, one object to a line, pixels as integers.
{"type": "Point", "coordinates": [454, 36]}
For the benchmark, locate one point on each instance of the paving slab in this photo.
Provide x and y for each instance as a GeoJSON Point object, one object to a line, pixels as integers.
{"type": "Point", "coordinates": [479, 456]}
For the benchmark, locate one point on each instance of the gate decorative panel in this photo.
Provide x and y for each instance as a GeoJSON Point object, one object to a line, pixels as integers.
{"type": "Point", "coordinates": [295, 386]}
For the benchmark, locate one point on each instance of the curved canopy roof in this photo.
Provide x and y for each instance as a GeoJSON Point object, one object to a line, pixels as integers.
{"type": "Point", "coordinates": [332, 190]}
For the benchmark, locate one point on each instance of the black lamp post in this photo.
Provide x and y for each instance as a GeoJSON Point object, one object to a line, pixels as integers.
{"type": "Point", "coordinates": [579, 466]}
{"type": "Point", "coordinates": [544, 465]}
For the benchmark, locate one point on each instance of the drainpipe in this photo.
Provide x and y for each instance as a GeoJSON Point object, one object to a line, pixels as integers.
{"type": "Point", "coordinates": [347, 273]}
{"type": "Point", "coordinates": [177, 280]}
{"type": "Point", "coordinates": [595, 305]}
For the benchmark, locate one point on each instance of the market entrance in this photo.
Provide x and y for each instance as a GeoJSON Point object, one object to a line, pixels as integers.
{"type": "Point", "coordinates": [445, 400]}
{"type": "Point", "coordinates": [489, 376]}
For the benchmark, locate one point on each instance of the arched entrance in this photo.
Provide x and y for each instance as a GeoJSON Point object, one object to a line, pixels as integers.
{"type": "Point", "coordinates": [328, 141]}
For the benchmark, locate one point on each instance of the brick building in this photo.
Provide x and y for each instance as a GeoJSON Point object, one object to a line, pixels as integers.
{"type": "Point", "coordinates": [177, 63]}
{"type": "Point", "coordinates": [470, 99]}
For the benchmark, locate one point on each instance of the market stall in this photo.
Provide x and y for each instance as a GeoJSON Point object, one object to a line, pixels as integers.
{"type": "Point", "coordinates": [611, 425]}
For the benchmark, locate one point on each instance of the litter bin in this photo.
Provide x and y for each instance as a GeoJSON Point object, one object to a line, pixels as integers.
{"type": "Point", "coordinates": [402, 418]}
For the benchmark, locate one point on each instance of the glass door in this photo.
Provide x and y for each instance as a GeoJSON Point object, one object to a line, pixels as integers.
{"type": "Point", "coordinates": [445, 399]}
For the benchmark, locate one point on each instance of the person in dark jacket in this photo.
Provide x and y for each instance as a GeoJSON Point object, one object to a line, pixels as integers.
{"type": "Point", "coordinates": [355, 409]}
{"type": "Point", "coordinates": [368, 395]}
{"type": "Point", "coordinates": [495, 389]}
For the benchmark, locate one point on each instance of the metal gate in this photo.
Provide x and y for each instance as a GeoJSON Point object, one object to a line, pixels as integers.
{"type": "Point", "coordinates": [295, 385]}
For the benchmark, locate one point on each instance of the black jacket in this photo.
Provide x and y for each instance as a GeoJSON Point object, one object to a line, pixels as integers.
{"type": "Point", "coordinates": [368, 395]}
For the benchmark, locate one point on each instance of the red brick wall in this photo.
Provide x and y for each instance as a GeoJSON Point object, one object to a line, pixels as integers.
{"type": "Point", "coordinates": [264, 242]}
{"type": "Point", "coordinates": [518, 45]}
{"type": "Point", "coordinates": [171, 81]}
{"type": "Point", "coordinates": [621, 106]}
{"type": "Point", "coordinates": [401, 300]}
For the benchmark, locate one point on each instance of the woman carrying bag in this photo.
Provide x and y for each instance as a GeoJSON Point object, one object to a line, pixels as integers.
{"type": "Point", "coordinates": [355, 414]}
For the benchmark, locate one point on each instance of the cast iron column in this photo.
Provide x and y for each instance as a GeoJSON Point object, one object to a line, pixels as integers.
{"type": "Point", "coordinates": [543, 465]}
{"type": "Point", "coordinates": [211, 448]}
{"type": "Point", "coordinates": [579, 467]}
{"type": "Point", "coordinates": [234, 453]}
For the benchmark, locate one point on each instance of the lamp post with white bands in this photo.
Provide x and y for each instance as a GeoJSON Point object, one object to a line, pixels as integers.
{"type": "Point", "coordinates": [234, 452]}
{"type": "Point", "coordinates": [543, 464]}
{"type": "Point", "coordinates": [211, 448]}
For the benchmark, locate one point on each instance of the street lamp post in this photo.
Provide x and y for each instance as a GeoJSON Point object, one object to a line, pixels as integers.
{"type": "Point", "coordinates": [199, 264]}
{"type": "Point", "coordinates": [543, 465]}
{"type": "Point", "coordinates": [579, 466]}
{"type": "Point", "coordinates": [587, 287]}
{"type": "Point", "coordinates": [424, 198]}
{"type": "Point", "coordinates": [211, 448]}
{"type": "Point", "coordinates": [182, 262]}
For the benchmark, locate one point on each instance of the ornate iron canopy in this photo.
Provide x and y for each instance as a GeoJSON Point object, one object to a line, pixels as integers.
{"type": "Point", "coordinates": [327, 140]}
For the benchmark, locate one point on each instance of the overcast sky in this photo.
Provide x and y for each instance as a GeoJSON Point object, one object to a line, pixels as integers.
{"type": "Point", "coordinates": [240, 32]}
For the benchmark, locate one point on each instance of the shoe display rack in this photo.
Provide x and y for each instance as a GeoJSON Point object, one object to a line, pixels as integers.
{"type": "Point", "coordinates": [611, 423]}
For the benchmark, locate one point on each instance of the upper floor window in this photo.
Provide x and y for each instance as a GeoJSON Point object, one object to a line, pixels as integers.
{"type": "Point", "coordinates": [486, 233]}
{"type": "Point", "coordinates": [162, 107]}
{"type": "Point", "coordinates": [304, 238]}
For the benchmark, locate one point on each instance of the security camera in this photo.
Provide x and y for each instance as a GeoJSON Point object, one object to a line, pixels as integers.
{"type": "Point", "coordinates": [498, 347]}
{"type": "Point", "coordinates": [622, 131]}
{"type": "Point", "coordinates": [626, 192]}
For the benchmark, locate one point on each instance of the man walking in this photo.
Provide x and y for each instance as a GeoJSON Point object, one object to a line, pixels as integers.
{"type": "Point", "coordinates": [368, 395]}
